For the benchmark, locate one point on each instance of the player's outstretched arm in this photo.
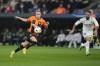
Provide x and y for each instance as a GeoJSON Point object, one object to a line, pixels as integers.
{"type": "Point", "coordinates": [73, 29]}
{"type": "Point", "coordinates": [20, 18]}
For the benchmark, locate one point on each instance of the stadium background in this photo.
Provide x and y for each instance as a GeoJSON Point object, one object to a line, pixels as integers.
{"type": "Point", "coordinates": [72, 10]}
{"type": "Point", "coordinates": [61, 18]}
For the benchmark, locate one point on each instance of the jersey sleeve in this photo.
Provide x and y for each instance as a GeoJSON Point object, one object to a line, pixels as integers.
{"type": "Point", "coordinates": [79, 22]}
{"type": "Point", "coordinates": [30, 19]}
{"type": "Point", "coordinates": [95, 22]}
{"type": "Point", "coordinates": [44, 23]}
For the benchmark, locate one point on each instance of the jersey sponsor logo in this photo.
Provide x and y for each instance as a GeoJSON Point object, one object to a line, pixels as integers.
{"type": "Point", "coordinates": [88, 23]}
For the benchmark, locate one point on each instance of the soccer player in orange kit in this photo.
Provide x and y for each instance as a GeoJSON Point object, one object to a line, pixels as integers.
{"type": "Point", "coordinates": [31, 35]}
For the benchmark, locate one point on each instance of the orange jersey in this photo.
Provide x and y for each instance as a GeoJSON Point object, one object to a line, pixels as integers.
{"type": "Point", "coordinates": [37, 22]}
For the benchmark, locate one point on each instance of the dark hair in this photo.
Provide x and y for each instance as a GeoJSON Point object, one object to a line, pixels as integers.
{"type": "Point", "coordinates": [38, 10]}
{"type": "Point", "coordinates": [88, 11]}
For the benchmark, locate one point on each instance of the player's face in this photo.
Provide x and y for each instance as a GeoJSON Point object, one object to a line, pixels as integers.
{"type": "Point", "coordinates": [88, 14]}
{"type": "Point", "coordinates": [38, 15]}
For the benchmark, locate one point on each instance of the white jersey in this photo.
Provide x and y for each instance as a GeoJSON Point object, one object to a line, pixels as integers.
{"type": "Point", "coordinates": [87, 25]}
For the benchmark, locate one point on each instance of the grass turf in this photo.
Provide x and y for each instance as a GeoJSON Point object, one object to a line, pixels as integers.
{"type": "Point", "coordinates": [49, 56]}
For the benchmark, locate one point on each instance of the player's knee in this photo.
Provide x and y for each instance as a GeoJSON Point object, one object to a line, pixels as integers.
{"type": "Point", "coordinates": [88, 38]}
{"type": "Point", "coordinates": [33, 39]}
{"type": "Point", "coordinates": [24, 44]}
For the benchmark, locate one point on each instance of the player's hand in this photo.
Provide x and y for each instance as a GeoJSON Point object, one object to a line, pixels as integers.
{"type": "Point", "coordinates": [16, 17]}
{"type": "Point", "coordinates": [47, 23]}
{"type": "Point", "coordinates": [95, 33]}
{"type": "Point", "coordinates": [71, 32]}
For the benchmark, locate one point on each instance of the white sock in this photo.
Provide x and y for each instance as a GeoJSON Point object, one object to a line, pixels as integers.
{"type": "Point", "coordinates": [87, 46]}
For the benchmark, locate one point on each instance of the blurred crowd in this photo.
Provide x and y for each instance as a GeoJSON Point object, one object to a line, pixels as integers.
{"type": "Point", "coordinates": [53, 38]}
{"type": "Point", "coordinates": [48, 6]}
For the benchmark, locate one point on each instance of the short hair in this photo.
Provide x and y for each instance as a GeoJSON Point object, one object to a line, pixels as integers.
{"type": "Point", "coordinates": [88, 11]}
{"type": "Point", "coordinates": [38, 10]}
{"type": "Point", "coordinates": [91, 10]}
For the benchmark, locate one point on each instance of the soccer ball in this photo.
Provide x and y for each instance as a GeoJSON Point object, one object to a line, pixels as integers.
{"type": "Point", "coordinates": [37, 30]}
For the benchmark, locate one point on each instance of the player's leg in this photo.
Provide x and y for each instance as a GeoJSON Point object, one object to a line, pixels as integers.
{"type": "Point", "coordinates": [87, 44]}
{"type": "Point", "coordinates": [23, 44]}
{"type": "Point", "coordinates": [32, 41]}
{"type": "Point", "coordinates": [88, 41]}
{"type": "Point", "coordinates": [27, 39]}
{"type": "Point", "coordinates": [87, 37]}
{"type": "Point", "coordinates": [83, 42]}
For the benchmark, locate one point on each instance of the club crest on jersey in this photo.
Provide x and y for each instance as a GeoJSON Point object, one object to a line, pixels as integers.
{"type": "Point", "coordinates": [39, 24]}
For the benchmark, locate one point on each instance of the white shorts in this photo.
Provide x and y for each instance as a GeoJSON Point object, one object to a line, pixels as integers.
{"type": "Point", "coordinates": [88, 33]}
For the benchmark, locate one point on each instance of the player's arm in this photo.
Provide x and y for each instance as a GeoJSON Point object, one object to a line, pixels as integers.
{"type": "Point", "coordinates": [73, 29]}
{"type": "Point", "coordinates": [97, 27]}
{"type": "Point", "coordinates": [45, 24]}
{"type": "Point", "coordinates": [20, 18]}
{"type": "Point", "coordinates": [74, 26]}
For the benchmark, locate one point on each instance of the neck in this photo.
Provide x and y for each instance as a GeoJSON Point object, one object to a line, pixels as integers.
{"type": "Point", "coordinates": [38, 18]}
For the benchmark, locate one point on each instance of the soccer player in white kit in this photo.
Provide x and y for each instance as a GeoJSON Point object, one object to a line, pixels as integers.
{"type": "Point", "coordinates": [87, 30]}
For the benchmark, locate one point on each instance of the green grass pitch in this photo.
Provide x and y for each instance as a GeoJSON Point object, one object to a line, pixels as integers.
{"type": "Point", "coordinates": [49, 56]}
